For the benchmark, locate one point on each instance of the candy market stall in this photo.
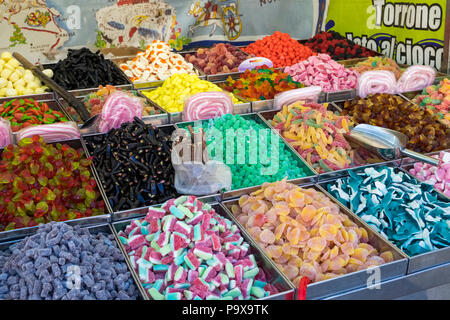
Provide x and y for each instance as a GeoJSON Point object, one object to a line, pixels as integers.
{"type": "Point", "coordinates": [201, 176]}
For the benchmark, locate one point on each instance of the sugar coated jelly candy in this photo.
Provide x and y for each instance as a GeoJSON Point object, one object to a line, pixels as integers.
{"type": "Point", "coordinates": [309, 235]}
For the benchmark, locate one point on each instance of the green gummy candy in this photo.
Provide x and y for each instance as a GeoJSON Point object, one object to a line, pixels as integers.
{"type": "Point", "coordinates": [155, 294]}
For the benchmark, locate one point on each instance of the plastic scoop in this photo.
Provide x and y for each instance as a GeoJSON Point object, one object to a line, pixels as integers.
{"type": "Point", "coordinates": [389, 144]}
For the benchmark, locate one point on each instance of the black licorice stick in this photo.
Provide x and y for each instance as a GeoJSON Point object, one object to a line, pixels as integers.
{"type": "Point", "coordinates": [73, 102]}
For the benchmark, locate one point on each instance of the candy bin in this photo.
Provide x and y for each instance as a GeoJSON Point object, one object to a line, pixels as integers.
{"type": "Point", "coordinates": [149, 68]}
{"type": "Point", "coordinates": [83, 71]}
{"type": "Point", "coordinates": [44, 182]}
{"type": "Point", "coordinates": [252, 158]}
{"type": "Point", "coordinates": [95, 101]}
{"type": "Point", "coordinates": [66, 250]}
{"type": "Point", "coordinates": [308, 234]}
{"type": "Point", "coordinates": [410, 214]}
{"type": "Point", "coordinates": [189, 250]}
{"type": "Point", "coordinates": [259, 86]}
{"type": "Point", "coordinates": [304, 125]}
{"type": "Point", "coordinates": [175, 90]}
{"type": "Point", "coordinates": [134, 164]}
{"type": "Point", "coordinates": [426, 134]}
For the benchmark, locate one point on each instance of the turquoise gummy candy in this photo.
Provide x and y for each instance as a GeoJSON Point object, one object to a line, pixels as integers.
{"type": "Point", "coordinates": [399, 207]}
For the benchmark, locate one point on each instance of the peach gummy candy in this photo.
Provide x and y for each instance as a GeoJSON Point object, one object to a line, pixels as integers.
{"type": "Point", "coordinates": [305, 233]}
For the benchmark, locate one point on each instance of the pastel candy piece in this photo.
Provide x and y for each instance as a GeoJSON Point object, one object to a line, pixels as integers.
{"type": "Point", "coordinates": [207, 105]}
{"type": "Point", "coordinates": [308, 94]}
{"type": "Point", "coordinates": [51, 132]}
{"type": "Point", "coordinates": [380, 81]}
{"type": "Point", "coordinates": [416, 78]}
{"type": "Point", "coordinates": [119, 108]}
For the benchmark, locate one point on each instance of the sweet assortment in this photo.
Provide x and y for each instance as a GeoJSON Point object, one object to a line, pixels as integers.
{"type": "Point", "coordinates": [322, 71]}
{"type": "Point", "coordinates": [305, 233]}
{"type": "Point", "coordinates": [95, 101]}
{"type": "Point", "coordinates": [171, 95]}
{"type": "Point", "coordinates": [23, 113]}
{"type": "Point", "coordinates": [253, 160]}
{"type": "Point", "coordinates": [436, 98]}
{"type": "Point", "coordinates": [425, 133]}
{"type": "Point", "coordinates": [280, 48]}
{"type": "Point", "coordinates": [283, 202]}
{"type": "Point", "coordinates": [220, 58]}
{"type": "Point", "coordinates": [317, 135]}
{"type": "Point", "coordinates": [15, 80]}
{"type": "Point", "coordinates": [337, 46]}
{"type": "Point", "coordinates": [261, 84]}
{"type": "Point", "coordinates": [39, 267]}
{"type": "Point", "coordinates": [41, 183]}
{"type": "Point", "coordinates": [133, 164]}
{"type": "Point", "coordinates": [378, 63]}
{"type": "Point", "coordinates": [157, 62]}
{"type": "Point", "coordinates": [83, 69]}
{"type": "Point", "coordinates": [438, 177]}
{"type": "Point", "coordinates": [404, 211]}
{"type": "Point", "coordinates": [185, 250]}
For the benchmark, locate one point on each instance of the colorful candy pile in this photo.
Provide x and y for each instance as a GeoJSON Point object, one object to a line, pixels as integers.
{"type": "Point", "coordinates": [171, 95]}
{"type": "Point", "coordinates": [251, 159]}
{"type": "Point", "coordinates": [337, 46]}
{"type": "Point", "coordinates": [261, 84]}
{"type": "Point", "coordinates": [17, 81]}
{"type": "Point", "coordinates": [157, 62]}
{"type": "Point", "coordinates": [437, 99]}
{"type": "Point", "coordinates": [134, 165]}
{"type": "Point", "coordinates": [280, 48]}
{"type": "Point", "coordinates": [406, 212]}
{"type": "Point", "coordinates": [84, 69]}
{"type": "Point", "coordinates": [95, 101]}
{"type": "Point", "coordinates": [40, 183]}
{"type": "Point", "coordinates": [317, 135]}
{"type": "Point", "coordinates": [186, 251]}
{"type": "Point", "coordinates": [378, 63]}
{"type": "Point", "coordinates": [425, 133]}
{"type": "Point", "coordinates": [303, 231]}
{"type": "Point", "coordinates": [40, 266]}
{"type": "Point", "coordinates": [438, 177]}
{"type": "Point", "coordinates": [220, 58]}
{"type": "Point", "coordinates": [322, 71]}
{"type": "Point", "coordinates": [23, 113]}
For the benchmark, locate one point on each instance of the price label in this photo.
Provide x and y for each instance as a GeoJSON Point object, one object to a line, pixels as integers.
{"type": "Point", "coordinates": [252, 63]}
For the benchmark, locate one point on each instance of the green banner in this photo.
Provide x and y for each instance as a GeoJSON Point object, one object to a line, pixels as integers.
{"type": "Point", "coordinates": [411, 32]}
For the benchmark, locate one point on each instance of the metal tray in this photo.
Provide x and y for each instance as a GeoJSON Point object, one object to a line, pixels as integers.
{"type": "Point", "coordinates": [256, 117]}
{"type": "Point", "coordinates": [157, 119]}
{"type": "Point", "coordinates": [84, 91]}
{"type": "Point", "coordinates": [76, 144]}
{"type": "Point", "coordinates": [279, 281]}
{"type": "Point", "coordinates": [148, 84]}
{"type": "Point", "coordinates": [52, 104]}
{"type": "Point", "coordinates": [422, 261]}
{"type": "Point", "coordinates": [94, 228]}
{"type": "Point", "coordinates": [357, 279]}
{"type": "Point", "coordinates": [37, 97]}
{"type": "Point", "coordinates": [268, 116]}
{"type": "Point", "coordinates": [175, 117]}
{"type": "Point", "coordinates": [166, 128]}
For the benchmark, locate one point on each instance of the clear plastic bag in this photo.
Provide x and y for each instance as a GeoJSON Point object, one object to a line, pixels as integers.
{"type": "Point", "coordinates": [196, 178]}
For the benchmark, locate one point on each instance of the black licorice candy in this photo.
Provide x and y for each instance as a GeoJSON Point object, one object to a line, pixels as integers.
{"type": "Point", "coordinates": [83, 69]}
{"type": "Point", "coordinates": [134, 165]}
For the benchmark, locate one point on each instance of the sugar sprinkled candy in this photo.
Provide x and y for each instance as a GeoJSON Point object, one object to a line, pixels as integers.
{"type": "Point", "coordinates": [317, 135]}
{"type": "Point", "coordinates": [214, 262]}
{"type": "Point", "coordinates": [304, 233]}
